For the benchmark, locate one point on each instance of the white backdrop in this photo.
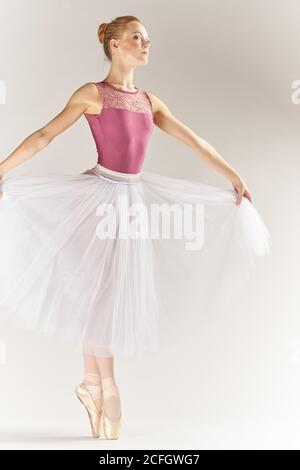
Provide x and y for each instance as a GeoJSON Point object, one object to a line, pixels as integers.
{"type": "Point", "coordinates": [226, 69]}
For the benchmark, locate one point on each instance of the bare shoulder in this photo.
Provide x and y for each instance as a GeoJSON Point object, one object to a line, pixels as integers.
{"type": "Point", "coordinates": [89, 97]}
{"type": "Point", "coordinates": [158, 106]}
{"type": "Point", "coordinates": [88, 87]}
{"type": "Point", "coordinates": [84, 99]}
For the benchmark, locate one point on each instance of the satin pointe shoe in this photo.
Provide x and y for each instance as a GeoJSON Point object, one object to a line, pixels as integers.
{"type": "Point", "coordinates": [95, 416]}
{"type": "Point", "coordinates": [111, 428]}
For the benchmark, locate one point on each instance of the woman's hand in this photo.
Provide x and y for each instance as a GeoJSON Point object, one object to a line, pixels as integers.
{"type": "Point", "coordinates": [240, 187]}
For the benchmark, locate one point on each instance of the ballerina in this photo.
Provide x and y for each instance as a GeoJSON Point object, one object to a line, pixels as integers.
{"type": "Point", "coordinates": [60, 277]}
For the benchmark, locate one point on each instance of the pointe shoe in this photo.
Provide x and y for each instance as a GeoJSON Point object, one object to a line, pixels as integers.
{"type": "Point", "coordinates": [95, 416]}
{"type": "Point", "coordinates": [111, 428]}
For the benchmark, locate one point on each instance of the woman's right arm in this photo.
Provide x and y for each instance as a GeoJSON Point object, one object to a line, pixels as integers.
{"type": "Point", "coordinates": [78, 103]}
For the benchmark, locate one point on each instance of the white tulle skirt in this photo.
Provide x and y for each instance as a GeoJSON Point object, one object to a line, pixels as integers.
{"type": "Point", "coordinates": [122, 263]}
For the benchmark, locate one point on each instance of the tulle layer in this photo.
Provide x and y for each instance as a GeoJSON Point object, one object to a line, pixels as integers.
{"type": "Point", "coordinates": [121, 295]}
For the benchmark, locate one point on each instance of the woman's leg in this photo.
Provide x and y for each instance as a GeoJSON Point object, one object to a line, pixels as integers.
{"type": "Point", "coordinates": [92, 378]}
{"type": "Point", "coordinates": [111, 397]}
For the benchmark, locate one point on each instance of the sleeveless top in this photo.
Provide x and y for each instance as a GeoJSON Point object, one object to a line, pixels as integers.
{"type": "Point", "coordinates": [122, 129]}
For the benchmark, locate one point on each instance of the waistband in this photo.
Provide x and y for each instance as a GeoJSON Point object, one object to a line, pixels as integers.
{"type": "Point", "coordinates": [117, 176]}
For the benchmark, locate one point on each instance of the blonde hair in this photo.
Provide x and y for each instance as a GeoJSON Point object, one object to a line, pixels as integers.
{"type": "Point", "coordinates": [113, 30]}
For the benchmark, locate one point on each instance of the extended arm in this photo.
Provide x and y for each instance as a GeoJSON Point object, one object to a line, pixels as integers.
{"type": "Point", "coordinates": [165, 120]}
{"type": "Point", "coordinates": [74, 108]}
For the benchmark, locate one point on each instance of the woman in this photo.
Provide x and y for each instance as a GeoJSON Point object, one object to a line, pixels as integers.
{"type": "Point", "coordinates": [60, 275]}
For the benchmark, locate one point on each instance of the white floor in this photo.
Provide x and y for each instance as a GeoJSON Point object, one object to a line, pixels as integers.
{"type": "Point", "coordinates": [235, 386]}
{"type": "Point", "coordinates": [248, 434]}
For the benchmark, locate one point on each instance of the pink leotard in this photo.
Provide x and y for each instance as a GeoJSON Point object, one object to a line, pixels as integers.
{"type": "Point", "coordinates": [122, 129]}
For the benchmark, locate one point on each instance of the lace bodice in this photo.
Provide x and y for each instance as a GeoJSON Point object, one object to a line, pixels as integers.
{"type": "Point", "coordinates": [123, 127]}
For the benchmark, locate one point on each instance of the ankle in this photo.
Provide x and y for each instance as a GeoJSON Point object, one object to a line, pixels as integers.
{"type": "Point", "coordinates": [110, 387]}
{"type": "Point", "coordinates": [87, 383]}
{"type": "Point", "coordinates": [92, 379]}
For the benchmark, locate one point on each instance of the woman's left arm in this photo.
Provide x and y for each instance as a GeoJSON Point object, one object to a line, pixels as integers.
{"type": "Point", "coordinates": [166, 121]}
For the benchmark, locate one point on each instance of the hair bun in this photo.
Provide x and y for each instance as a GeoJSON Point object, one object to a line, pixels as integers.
{"type": "Point", "coordinates": [101, 31]}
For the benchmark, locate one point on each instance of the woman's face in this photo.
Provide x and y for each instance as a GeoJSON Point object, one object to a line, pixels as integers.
{"type": "Point", "coordinates": [134, 44]}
